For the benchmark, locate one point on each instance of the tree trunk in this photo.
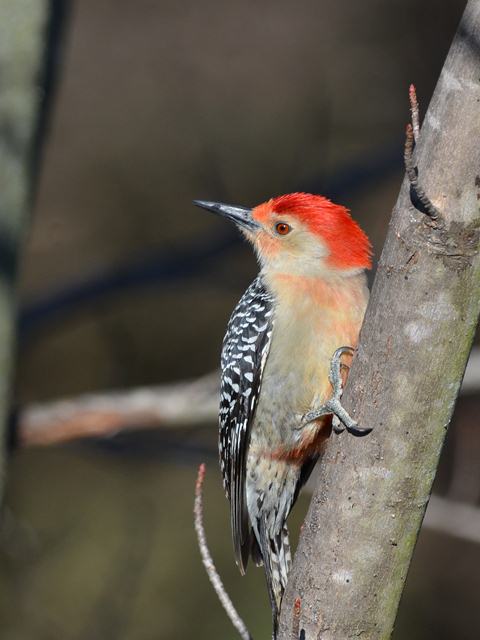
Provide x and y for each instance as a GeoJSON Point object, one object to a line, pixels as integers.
{"type": "Point", "coordinates": [363, 522]}
{"type": "Point", "coordinates": [22, 45]}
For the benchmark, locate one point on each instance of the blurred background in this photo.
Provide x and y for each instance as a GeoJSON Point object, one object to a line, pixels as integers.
{"type": "Point", "coordinates": [125, 284]}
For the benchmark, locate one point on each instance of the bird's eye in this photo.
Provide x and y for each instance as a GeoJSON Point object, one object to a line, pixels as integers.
{"type": "Point", "coordinates": [282, 228]}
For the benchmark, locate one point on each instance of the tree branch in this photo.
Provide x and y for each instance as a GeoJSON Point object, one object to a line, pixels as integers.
{"type": "Point", "coordinates": [208, 563]}
{"type": "Point", "coordinates": [364, 518]}
{"type": "Point", "coordinates": [187, 403]}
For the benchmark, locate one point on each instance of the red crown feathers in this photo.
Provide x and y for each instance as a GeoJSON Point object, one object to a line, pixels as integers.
{"type": "Point", "coordinates": [349, 246]}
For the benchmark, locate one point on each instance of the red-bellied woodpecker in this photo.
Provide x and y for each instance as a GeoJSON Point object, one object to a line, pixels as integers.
{"type": "Point", "coordinates": [280, 384]}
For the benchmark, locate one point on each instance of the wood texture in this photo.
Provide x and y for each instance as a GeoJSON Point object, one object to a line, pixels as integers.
{"type": "Point", "coordinates": [363, 522]}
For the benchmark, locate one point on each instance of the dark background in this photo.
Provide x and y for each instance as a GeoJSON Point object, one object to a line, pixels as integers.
{"type": "Point", "coordinates": [125, 283]}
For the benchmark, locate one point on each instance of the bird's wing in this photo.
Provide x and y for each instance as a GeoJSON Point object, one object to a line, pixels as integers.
{"type": "Point", "coordinates": [244, 353]}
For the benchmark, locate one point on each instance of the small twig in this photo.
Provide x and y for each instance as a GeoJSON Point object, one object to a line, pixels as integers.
{"type": "Point", "coordinates": [412, 135]}
{"type": "Point", "coordinates": [415, 112]}
{"type": "Point", "coordinates": [210, 568]}
{"type": "Point", "coordinates": [408, 154]}
{"type": "Point", "coordinates": [427, 206]}
{"type": "Point", "coordinates": [297, 608]}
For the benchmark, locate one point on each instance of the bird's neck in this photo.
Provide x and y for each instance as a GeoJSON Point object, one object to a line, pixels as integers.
{"type": "Point", "coordinates": [332, 291]}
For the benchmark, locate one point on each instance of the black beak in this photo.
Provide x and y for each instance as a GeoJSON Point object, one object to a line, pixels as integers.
{"type": "Point", "coordinates": [240, 215]}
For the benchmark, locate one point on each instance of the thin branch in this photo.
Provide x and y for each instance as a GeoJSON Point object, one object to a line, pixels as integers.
{"type": "Point", "coordinates": [412, 172]}
{"type": "Point", "coordinates": [415, 111]}
{"type": "Point", "coordinates": [411, 139]}
{"type": "Point", "coordinates": [187, 403]}
{"type": "Point", "coordinates": [408, 155]}
{"type": "Point", "coordinates": [207, 560]}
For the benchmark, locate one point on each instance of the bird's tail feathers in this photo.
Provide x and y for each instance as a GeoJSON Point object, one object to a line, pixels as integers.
{"type": "Point", "coordinates": [277, 559]}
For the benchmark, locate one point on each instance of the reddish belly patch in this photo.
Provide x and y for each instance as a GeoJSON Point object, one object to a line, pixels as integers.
{"type": "Point", "coordinates": [309, 446]}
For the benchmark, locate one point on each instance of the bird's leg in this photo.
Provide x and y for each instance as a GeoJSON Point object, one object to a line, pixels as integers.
{"type": "Point", "coordinates": [341, 418]}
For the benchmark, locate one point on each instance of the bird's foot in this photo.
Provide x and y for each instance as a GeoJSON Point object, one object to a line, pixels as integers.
{"type": "Point", "coordinates": [341, 418]}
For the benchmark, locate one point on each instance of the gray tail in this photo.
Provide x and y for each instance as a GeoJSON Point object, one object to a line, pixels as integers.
{"type": "Point", "coordinates": [277, 560]}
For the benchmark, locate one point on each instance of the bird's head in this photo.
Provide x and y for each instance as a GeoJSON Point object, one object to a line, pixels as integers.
{"type": "Point", "coordinates": [301, 234]}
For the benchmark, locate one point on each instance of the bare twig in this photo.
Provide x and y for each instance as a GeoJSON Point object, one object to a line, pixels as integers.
{"type": "Point", "coordinates": [411, 139]}
{"type": "Point", "coordinates": [428, 207]}
{"type": "Point", "coordinates": [408, 154]}
{"type": "Point", "coordinates": [187, 403]}
{"type": "Point", "coordinates": [415, 111]}
{"type": "Point", "coordinates": [210, 568]}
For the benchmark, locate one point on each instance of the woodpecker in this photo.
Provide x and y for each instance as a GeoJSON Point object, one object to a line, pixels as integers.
{"type": "Point", "coordinates": [280, 385]}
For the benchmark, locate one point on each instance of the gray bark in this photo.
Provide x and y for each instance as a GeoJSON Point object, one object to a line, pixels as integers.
{"type": "Point", "coordinates": [22, 30]}
{"type": "Point", "coordinates": [363, 522]}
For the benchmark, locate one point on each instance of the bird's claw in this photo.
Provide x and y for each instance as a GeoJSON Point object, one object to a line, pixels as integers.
{"type": "Point", "coordinates": [341, 418]}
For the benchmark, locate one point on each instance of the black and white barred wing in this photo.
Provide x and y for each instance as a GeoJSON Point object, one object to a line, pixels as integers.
{"type": "Point", "coordinates": [245, 350]}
